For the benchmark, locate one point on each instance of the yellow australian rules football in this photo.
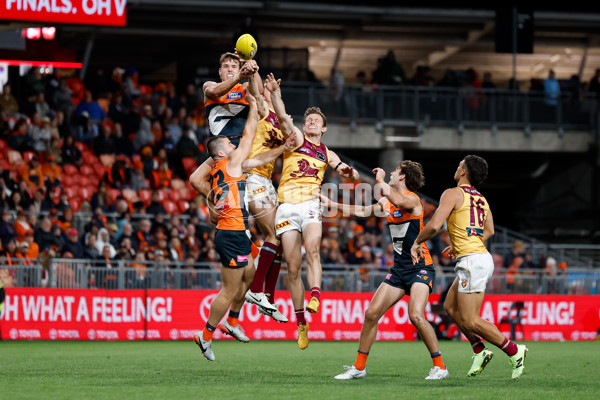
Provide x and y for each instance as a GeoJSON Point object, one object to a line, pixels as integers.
{"type": "Point", "coordinates": [246, 46]}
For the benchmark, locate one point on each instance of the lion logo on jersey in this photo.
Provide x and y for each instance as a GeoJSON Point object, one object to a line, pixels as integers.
{"type": "Point", "coordinates": [304, 169]}
{"type": "Point", "coordinates": [273, 140]}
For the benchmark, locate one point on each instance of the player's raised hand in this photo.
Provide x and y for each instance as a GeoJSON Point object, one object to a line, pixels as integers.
{"type": "Point", "coordinates": [347, 171]}
{"type": "Point", "coordinates": [325, 202]}
{"type": "Point", "coordinates": [379, 173]}
{"type": "Point", "coordinates": [272, 84]}
{"type": "Point", "coordinates": [290, 142]}
{"type": "Point", "coordinates": [247, 70]}
{"type": "Point", "coordinates": [250, 99]}
{"type": "Point", "coordinates": [416, 252]}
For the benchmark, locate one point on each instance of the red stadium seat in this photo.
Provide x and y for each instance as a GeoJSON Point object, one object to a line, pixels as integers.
{"type": "Point", "coordinates": [69, 191]}
{"type": "Point", "coordinates": [145, 196]}
{"type": "Point", "coordinates": [145, 89]}
{"type": "Point", "coordinates": [70, 170]}
{"type": "Point", "coordinates": [170, 206]}
{"type": "Point", "coordinates": [84, 181]}
{"type": "Point", "coordinates": [189, 164]}
{"type": "Point", "coordinates": [86, 193]}
{"type": "Point", "coordinates": [3, 148]}
{"type": "Point", "coordinates": [113, 193]}
{"type": "Point", "coordinates": [75, 203]}
{"type": "Point", "coordinates": [86, 170]}
{"type": "Point", "coordinates": [130, 195]}
{"type": "Point", "coordinates": [90, 159]}
{"type": "Point", "coordinates": [28, 155]}
{"type": "Point", "coordinates": [99, 170]}
{"type": "Point", "coordinates": [81, 146]}
{"type": "Point", "coordinates": [177, 184]}
{"type": "Point", "coordinates": [183, 206]}
{"type": "Point", "coordinates": [66, 180]}
{"type": "Point", "coordinates": [162, 196]}
{"type": "Point", "coordinates": [175, 195]}
{"type": "Point", "coordinates": [14, 157]}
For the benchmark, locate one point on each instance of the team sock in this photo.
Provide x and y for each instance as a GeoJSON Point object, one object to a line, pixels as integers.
{"type": "Point", "coordinates": [232, 319]}
{"type": "Point", "coordinates": [509, 347]}
{"type": "Point", "coordinates": [315, 292]}
{"type": "Point", "coordinates": [477, 345]}
{"type": "Point", "coordinates": [300, 320]}
{"type": "Point", "coordinates": [265, 259]}
{"type": "Point", "coordinates": [272, 276]}
{"type": "Point", "coordinates": [207, 332]}
{"type": "Point", "coordinates": [437, 360]}
{"type": "Point", "coordinates": [361, 360]}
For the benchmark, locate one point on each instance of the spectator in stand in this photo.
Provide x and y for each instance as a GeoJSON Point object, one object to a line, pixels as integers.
{"type": "Point", "coordinates": [43, 235]}
{"type": "Point", "coordinates": [54, 150]}
{"type": "Point", "coordinates": [167, 142]}
{"type": "Point", "coordinates": [551, 90]}
{"type": "Point", "coordinates": [15, 202]}
{"type": "Point", "coordinates": [70, 153]}
{"type": "Point", "coordinates": [34, 248]}
{"type": "Point", "coordinates": [39, 133]}
{"type": "Point", "coordinates": [487, 81]}
{"type": "Point", "coordinates": [7, 230]}
{"type": "Point", "coordinates": [132, 120]}
{"type": "Point", "coordinates": [117, 111]}
{"type": "Point", "coordinates": [103, 240]}
{"type": "Point", "coordinates": [19, 140]}
{"type": "Point", "coordinates": [8, 103]}
{"type": "Point", "coordinates": [130, 83]}
{"type": "Point", "coordinates": [9, 252]}
{"type": "Point", "coordinates": [162, 176]}
{"type": "Point", "coordinates": [73, 245]}
{"type": "Point", "coordinates": [107, 278]}
{"type": "Point", "coordinates": [63, 204]}
{"type": "Point", "coordinates": [175, 250]}
{"type": "Point", "coordinates": [21, 225]}
{"type": "Point", "coordinates": [34, 176]}
{"type": "Point", "coordinates": [95, 112]}
{"type": "Point", "coordinates": [173, 101]}
{"type": "Point", "coordinates": [389, 71]}
{"type": "Point", "coordinates": [187, 147]}
{"type": "Point", "coordinates": [86, 130]}
{"type": "Point", "coordinates": [518, 250]}
{"type": "Point", "coordinates": [41, 106]}
{"type": "Point", "coordinates": [89, 249]}
{"type": "Point", "coordinates": [191, 98]}
{"type": "Point", "coordinates": [143, 238]}
{"type": "Point", "coordinates": [157, 131]}
{"type": "Point", "coordinates": [175, 130]}
{"type": "Point", "coordinates": [334, 256]}
{"type": "Point", "coordinates": [105, 143]}
{"type": "Point", "coordinates": [119, 176]}
{"type": "Point", "coordinates": [122, 143]}
{"type": "Point", "coordinates": [62, 100]}
{"type": "Point", "coordinates": [126, 233]}
{"type": "Point", "coordinates": [387, 258]}
{"type": "Point", "coordinates": [144, 136]}
{"type": "Point", "coordinates": [158, 224]}
{"type": "Point", "coordinates": [155, 207]}
{"type": "Point", "coordinates": [52, 172]}
{"type": "Point", "coordinates": [138, 180]}
{"type": "Point", "coordinates": [101, 198]}
{"type": "Point", "coordinates": [33, 82]}
{"type": "Point", "coordinates": [38, 203]}
{"type": "Point", "coordinates": [148, 160]}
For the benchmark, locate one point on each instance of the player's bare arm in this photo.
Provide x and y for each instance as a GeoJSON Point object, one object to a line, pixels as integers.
{"type": "Point", "coordinates": [342, 168]}
{"type": "Point", "coordinates": [268, 156]}
{"type": "Point", "coordinates": [370, 211]}
{"type": "Point", "coordinates": [450, 200]}
{"type": "Point", "coordinates": [408, 202]}
{"type": "Point", "coordinates": [236, 157]}
{"type": "Point", "coordinates": [287, 126]}
{"type": "Point", "coordinates": [200, 178]}
{"type": "Point", "coordinates": [488, 227]}
{"type": "Point", "coordinates": [234, 74]}
{"type": "Point", "coordinates": [255, 90]}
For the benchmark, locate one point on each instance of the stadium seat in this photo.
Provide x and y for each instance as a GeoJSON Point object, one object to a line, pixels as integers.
{"type": "Point", "coordinates": [14, 157]}
{"type": "Point", "coordinates": [70, 170]}
{"type": "Point", "coordinates": [84, 181]}
{"type": "Point", "coordinates": [71, 193]}
{"type": "Point", "coordinates": [90, 159]}
{"type": "Point", "coordinates": [66, 180]}
{"type": "Point", "coordinates": [99, 170]}
{"type": "Point", "coordinates": [175, 195]}
{"type": "Point", "coordinates": [28, 155]}
{"type": "Point", "coordinates": [3, 148]}
{"type": "Point", "coordinates": [94, 181]}
{"type": "Point", "coordinates": [189, 164]}
{"type": "Point", "coordinates": [145, 89]}
{"type": "Point", "coordinates": [170, 206]}
{"type": "Point", "coordinates": [86, 193]}
{"type": "Point", "coordinates": [130, 195]}
{"type": "Point", "coordinates": [75, 203]}
{"type": "Point", "coordinates": [183, 206]}
{"type": "Point", "coordinates": [81, 146]}
{"type": "Point", "coordinates": [177, 184]}
{"type": "Point", "coordinates": [113, 193]}
{"type": "Point", "coordinates": [161, 196]}
{"type": "Point", "coordinates": [145, 196]}
{"type": "Point", "coordinates": [86, 170]}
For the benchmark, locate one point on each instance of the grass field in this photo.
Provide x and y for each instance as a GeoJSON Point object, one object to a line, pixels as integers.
{"type": "Point", "coordinates": [278, 370]}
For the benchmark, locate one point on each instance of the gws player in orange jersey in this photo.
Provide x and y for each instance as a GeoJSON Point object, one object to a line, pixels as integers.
{"type": "Point", "coordinates": [403, 211]}
{"type": "Point", "coordinates": [298, 216]}
{"type": "Point", "coordinates": [232, 239]}
{"type": "Point", "coordinates": [470, 223]}
{"type": "Point", "coordinates": [225, 101]}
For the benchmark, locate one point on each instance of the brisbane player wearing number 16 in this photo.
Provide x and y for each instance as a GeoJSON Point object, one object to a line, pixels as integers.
{"type": "Point", "coordinates": [470, 224]}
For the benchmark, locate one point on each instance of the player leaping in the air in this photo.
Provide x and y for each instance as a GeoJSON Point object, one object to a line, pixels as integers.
{"type": "Point", "coordinates": [299, 213]}
{"type": "Point", "coordinates": [403, 211]}
{"type": "Point", "coordinates": [470, 223]}
{"type": "Point", "coordinates": [232, 240]}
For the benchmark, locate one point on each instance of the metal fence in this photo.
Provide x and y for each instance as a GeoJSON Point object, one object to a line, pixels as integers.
{"type": "Point", "coordinates": [459, 107]}
{"type": "Point", "coordinates": [84, 274]}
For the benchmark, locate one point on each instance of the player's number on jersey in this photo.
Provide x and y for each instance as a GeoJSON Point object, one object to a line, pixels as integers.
{"type": "Point", "coordinates": [477, 206]}
{"type": "Point", "coordinates": [225, 190]}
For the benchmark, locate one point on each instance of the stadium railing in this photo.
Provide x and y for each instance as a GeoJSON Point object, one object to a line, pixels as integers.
{"type": "Point", "coordinates": [95, 274]}
{"type": "Point", "coordinates": [443, 106]}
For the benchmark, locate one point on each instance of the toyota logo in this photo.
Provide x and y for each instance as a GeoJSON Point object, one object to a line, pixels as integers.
{"type": "Point", "coordinates": [204, 309]}
{"type": "Point", "coordinates": [91, 334]}
{"type": "Point", "coordinates": [14, 334]}
{"type": "Point", "coordinates": [53, 334]}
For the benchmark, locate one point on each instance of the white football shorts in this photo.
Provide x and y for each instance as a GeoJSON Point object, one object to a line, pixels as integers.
{"type": "Point", "coordinates": [474, 271]}
{"type": "Point", "coordinates": [259, 187]}
{"type": "Point", "coordinates": [296, 216]}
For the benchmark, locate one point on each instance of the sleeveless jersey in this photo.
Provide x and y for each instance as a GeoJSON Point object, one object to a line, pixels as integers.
{"type": "Point", "coordinates": [230, 198]}
{"type": "Point", "coordinates": [465, 225]}
{"type": "Point", "coordinates": [227, 115]}
{"type": "Point", "coordinates": [268, 136]}
{"type": "Point", "coordinates": [303, 172]}
{"type": "Point", "coordinates": [404, 229]}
